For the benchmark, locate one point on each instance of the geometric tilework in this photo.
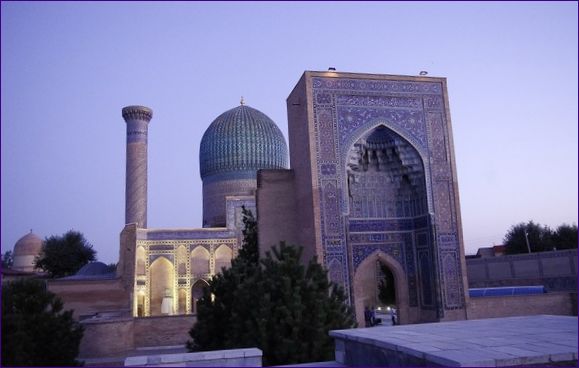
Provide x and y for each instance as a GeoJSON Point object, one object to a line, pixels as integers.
{"type": "Point", "coordinates": [346, 111]}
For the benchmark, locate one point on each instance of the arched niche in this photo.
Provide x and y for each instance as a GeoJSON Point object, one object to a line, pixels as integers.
{"type": "Point", "coordinates": [223, 256]}
{"type": "Point", "coordinates": [199, 261]}
{"type": "Point", "coordinates": [162, 278]}
{"type": "Point", "coordinates": [140, 256]}
{"type": "Point", "coordinates": [197, 293]}
{"type": "Point", "coordinates": [385, 177]}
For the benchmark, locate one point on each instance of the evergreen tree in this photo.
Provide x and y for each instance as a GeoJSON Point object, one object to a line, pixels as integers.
{"type": "Point", "coordinates": [277, 304]}
{"type": "Point", "coordinates": [250, 250]}
{"type": "Point", "coordinates": [223, 311]}
{"type": "Point", "coordinates": [565, 237]}
{"type": "Point", "coordinates": [64, 255]}
{"type": "Point", "coordinates": [35, 329]}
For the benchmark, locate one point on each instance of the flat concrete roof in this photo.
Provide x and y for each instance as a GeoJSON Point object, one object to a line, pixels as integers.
{"type": "Point", "coordinates": [484, 342]}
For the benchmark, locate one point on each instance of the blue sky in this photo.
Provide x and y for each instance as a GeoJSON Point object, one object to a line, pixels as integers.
{"type": "Point", "coordinates": [68, 68]}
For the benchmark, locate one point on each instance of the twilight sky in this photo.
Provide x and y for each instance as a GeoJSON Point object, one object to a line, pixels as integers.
{"type": "Point", "coordinates": [67, 69]}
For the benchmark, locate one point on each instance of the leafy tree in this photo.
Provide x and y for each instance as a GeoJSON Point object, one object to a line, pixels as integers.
{"type": "Point", "coordinates": [277, 304]}
{"type": "Point", "coordinates": [565, 237]}
{"type": "Point", "coordinates": [540, 238]}
{"type": "Point", "coordinates": [386, 288]}
{"type": "Point", "coordinates": [65, 255]}
{"type": "Point", "coordinates": [7, 259]}
{"type": "Point", "coordinates": [35, 329]}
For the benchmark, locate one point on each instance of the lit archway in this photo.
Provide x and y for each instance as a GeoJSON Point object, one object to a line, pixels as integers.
{"type": "Point", "coordinates": [162, 284]}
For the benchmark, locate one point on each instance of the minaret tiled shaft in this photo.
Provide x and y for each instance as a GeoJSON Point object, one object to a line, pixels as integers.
{"type": "Point", "coordinates": [137, 119]}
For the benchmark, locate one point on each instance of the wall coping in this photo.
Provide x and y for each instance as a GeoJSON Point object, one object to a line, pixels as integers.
{"type": "Point", "coordinates": [204, 356]}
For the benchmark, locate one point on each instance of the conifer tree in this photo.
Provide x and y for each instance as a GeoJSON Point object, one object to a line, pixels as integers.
{"type": "Point", "coordinates": [277, 304]}
{"type": "Point", "coordinates": [36, 331]}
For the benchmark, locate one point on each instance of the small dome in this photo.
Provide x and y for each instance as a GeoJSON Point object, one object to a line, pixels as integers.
{"type": "Point", "coordinates": [242, 139]}
{"type": "Point", "coordinates": [29, 245]}
{"type": "Point", "coordinates": [94, 269]}
{"type": "Point", "coordinates": [26, 250]}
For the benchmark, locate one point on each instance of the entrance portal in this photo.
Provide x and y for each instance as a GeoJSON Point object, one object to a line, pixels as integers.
{"type": "Point", "coordinates": [388, 212]}
{"type": "Point", "coordinates": [379, 281]}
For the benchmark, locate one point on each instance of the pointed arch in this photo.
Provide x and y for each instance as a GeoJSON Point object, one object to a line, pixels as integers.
{"type": "Point", "coordinates": [385, 177]}
{"type": "Point", "coordinates": [197, 293]}
{"type": "Point", "coordinates": [365, 285]}
{"type": "Point", "coordinates": [223, 256]}
{"type": "Point", "coordinates": [199, 261]}
{"type": "Point", "coordinates": [351, 145]}
{"type": "Point", "coordinates": [162, 278]}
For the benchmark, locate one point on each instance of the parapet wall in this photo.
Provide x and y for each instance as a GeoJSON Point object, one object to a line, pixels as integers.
{"type": "Point", "coordinates": [556, 303]}
{"type": "Point", "coordinates": [163, 331]}
{"type": "Point", "coordinates": [250, 357]}
{"type": "Point", "coordinates": [116, 337]}
{"type": "Point", "coordinates": [557, 270]}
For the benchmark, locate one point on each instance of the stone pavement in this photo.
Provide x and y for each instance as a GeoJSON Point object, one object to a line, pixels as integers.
{"type": "Point", "coordinates": [485, 342]}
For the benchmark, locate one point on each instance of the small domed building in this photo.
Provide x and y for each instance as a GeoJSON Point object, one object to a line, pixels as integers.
{"type": "Point", "coordinates": [25, 252]}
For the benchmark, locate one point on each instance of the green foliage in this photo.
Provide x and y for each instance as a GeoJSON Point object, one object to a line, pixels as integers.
{"type": "Point", "coordinates": [565, 237]}
{"type": "Point", "coordinates": [249, 250]}
{"type": "Point", "coordinates": [386, 288]}
{"type": "Point", "coordinates": [112, 267]}
{"type": "Point", "coordinates": [7, 259]}
{"type": "Point", "coordinates": [278, 305]}
{"type": "Point", "coordinates": [541, 238]}
{"type": "Point", "coordinates": [35, 329]}
{"type": "Point", "coordinates": [65, 255]}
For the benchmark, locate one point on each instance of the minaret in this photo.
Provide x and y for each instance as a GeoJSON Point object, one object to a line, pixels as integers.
{"type": "Point", "coordinates": [137, 119]}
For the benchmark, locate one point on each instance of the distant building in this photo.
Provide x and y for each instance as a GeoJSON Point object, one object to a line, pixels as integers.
{"type": "Point", "coordinates": [494, 251]}
{"type": "Point", "coordinates": [25, 252]}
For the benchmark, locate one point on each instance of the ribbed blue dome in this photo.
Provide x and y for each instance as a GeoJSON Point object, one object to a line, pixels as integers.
{"type": "Point", "coordinates": [242, 139]}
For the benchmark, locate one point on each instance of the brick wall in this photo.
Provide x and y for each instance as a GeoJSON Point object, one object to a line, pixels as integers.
{"type": "Point", "coordinates": [87, 297]}
{"type": "Point", "coordinates": [116, 337]}
{"type": "Point", "coordinates": [163, 331]}
{"type": "Point", "coordinates": [106, 338]}
{"type": "Point", "coordinates": [557, 303]}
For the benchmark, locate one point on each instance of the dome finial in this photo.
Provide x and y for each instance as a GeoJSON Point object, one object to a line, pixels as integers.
{"type": "Point", "coordinates": [242, 101]}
